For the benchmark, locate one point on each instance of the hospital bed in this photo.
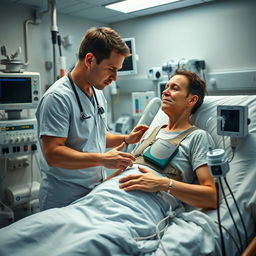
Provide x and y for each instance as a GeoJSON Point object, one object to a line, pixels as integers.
{"type": "Point", "coordinates": [110, 221]}
{"type": "Point", "coordinates": [241, 177]}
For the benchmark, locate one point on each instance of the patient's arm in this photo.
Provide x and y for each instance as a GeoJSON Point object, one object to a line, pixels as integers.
{"type": "Point", "coordinates": [202, 196]}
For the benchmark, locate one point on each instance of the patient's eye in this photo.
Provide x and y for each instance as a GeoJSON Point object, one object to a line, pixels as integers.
{"type": "Point", "coordinates": [175, 88]}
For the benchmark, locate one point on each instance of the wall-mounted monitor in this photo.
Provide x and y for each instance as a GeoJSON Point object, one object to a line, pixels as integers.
{"type": "Point", "coordinates": [161, 87]}
{"type": "Point", "coordinates": [129, 65]}
{"type": "Point", "coordinates": [19, 90]}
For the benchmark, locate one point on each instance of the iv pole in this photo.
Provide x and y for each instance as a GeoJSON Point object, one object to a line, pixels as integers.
{"type": "Point", "coordinates": [54, 31]}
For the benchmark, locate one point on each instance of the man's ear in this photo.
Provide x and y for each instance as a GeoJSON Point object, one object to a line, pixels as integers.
{"type": "Point", "coordinates": [89, 57]}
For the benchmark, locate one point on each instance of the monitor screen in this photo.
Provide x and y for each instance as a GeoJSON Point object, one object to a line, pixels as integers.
{"type": "Point", "coordinates": [19, 90]}
{"type": "Point", "coordinates": [129, 65]}
{"type": "Point", "coordinates": [233, 121]}
{"type": "Point", "coordinates": [15, 90]}
{"type": "Point", "coordinates": [161, 87]}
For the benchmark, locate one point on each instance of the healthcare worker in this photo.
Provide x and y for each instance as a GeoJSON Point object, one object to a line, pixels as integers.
{"type": "Point", "coordinates": [72, 123]}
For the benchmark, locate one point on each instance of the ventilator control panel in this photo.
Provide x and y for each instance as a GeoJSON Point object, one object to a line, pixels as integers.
{"type": "Point", "coordinates": [17, 137]}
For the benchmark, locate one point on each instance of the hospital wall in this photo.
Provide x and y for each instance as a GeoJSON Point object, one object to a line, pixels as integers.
{"type": "Point", "coordinates": [220, 32]}
{"type": "Point", "coordinates": [12, 18]}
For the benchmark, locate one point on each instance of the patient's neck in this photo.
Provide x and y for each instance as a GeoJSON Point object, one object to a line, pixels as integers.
{"type": "Point", "coordinates": [178, 124]}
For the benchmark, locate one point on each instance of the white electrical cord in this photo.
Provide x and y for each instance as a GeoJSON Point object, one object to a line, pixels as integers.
{"type": "Point", "coordinates": [223, 124]}
{"type": "Point", "coordinates": [4, 172]}
{"type": "Point", "coordinates": [1, 182]}
{"type": "Point", "coordinates": [31, 183]}
{"type": "Point", "coordinates": [38, 165]}
{"type": "Point", "coordinates": [170, 215]}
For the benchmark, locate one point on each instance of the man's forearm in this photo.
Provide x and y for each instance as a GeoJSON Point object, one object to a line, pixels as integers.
{"type": "Point", "coordinates": [64, 157]}
{"type": "Point", "coordinates": [114, 140]}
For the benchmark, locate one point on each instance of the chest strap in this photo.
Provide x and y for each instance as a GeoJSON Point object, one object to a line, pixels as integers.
{"type": "Point", "coordinates": [169, 170]}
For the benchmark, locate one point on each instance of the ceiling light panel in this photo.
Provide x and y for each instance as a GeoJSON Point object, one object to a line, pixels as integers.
{"type": "Point", "coordinates": [135, 5]}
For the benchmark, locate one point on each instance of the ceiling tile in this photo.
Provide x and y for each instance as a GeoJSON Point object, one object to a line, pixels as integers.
{"type": "Point", "coordinates": [117, 18]}
{"type": "Point", "coordinates": [95, 13]}
{"type": "Point", "coordinates": [99, 2]}
{"type": "Point", "coordinates": [34, 3]}
{"type": "Point", "coordinates": [75, 7]}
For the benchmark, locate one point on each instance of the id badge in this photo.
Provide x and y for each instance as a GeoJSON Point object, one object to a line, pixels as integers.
{"type": "Point", "coordinates": [160, 153]}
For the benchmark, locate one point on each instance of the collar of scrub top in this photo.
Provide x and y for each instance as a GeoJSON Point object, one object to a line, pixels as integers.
{"type": "Point", "coordinates": [83, 115]}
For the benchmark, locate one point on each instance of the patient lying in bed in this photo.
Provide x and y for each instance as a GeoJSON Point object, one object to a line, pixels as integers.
{"type": "Point", "coordinates": [122, 216]}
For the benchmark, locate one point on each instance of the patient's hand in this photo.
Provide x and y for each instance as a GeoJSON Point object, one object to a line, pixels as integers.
{"type": "Point", "coordinates": [146, 181]}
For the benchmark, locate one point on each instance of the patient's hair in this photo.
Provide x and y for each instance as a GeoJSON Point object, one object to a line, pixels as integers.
{"type": "Point", "coordinates": [196, 86]}
{"type": "Point", "coordinates": [101, 42]}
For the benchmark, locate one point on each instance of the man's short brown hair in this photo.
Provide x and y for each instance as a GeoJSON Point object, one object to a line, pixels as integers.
{"type": "Point", "coordinates": [101, 42]}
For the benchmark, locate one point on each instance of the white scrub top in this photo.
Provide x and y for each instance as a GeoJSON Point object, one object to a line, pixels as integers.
{"type": "Point", "coordinates": [58, 114]}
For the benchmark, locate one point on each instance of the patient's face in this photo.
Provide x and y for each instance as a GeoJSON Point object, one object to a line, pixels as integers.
{"type": "Point", "coordinates": [175, 97]}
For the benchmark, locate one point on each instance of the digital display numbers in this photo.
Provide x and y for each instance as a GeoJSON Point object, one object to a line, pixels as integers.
{"type": "Point", "coordinates": [18, 128]}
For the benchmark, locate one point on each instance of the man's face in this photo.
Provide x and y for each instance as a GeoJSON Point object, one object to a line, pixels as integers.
{"type": "Point", "coordinates": [175, 97]}
{"type": "Point", "coordinates": [102, 74]}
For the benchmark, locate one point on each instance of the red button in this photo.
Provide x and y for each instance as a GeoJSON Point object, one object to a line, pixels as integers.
{"type": "Point", "coordinates": [25, 148]}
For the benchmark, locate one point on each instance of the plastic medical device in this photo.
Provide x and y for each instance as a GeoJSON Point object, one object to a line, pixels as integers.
{"type": "Point", "coordinates": [234, 122]}
{"type": "Point", "coordinates": [231, 121]}
{"type": "Point", "coordinates": [217, 158]}
{"type": "Point", "coordinates": [217, 162]}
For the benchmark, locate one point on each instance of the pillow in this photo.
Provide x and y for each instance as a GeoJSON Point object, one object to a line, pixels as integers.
{"type": "Point", "coordinates": [204, 117]}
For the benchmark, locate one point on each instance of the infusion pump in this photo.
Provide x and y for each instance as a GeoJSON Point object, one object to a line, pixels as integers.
{"type": "Point", "coordinates": [17, 137]}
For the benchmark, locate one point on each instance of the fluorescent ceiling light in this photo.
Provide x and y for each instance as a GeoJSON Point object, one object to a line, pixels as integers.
{"type": "Point", "coordinates": [136, 5]}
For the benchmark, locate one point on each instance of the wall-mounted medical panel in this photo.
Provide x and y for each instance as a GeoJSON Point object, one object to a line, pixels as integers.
{"type": "Point", "coordinates": [232, 80]}
{"type": "Point", "coordinates": [135, 84]}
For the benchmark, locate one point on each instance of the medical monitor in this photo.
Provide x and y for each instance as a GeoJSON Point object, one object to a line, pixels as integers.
{"type": "Point", "coordinates": [129, 65]}
{"type": "Point", "coordinates": [234, 122]}
{"type": "Point", "coordinates": [19, 90]}
{"type": "Point", "coordinates": [161, 87]}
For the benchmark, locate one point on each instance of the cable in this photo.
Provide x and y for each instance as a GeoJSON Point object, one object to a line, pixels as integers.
{"type": "Point", "coordinates": [231, 215]}
{"type": "Point", "coordinates": [155, 234]}
{"type": "Point", "coordinates": [230, 234]}
{"type": "Point", "coordinates": [170, 215]}
{"type": "Point", "coordinates": [158, 232]}
{"type": "Point", "coordinates": [223, 250]}
{"type": "Point", "coordinates": [59, 43]}
{"type": "Point", "coordinates": [38, 165]}
{"type": "Point", "coordinates": [238, 210]}
{"type": "Point", "coordinates": [233, 143]}
{"type": "Point", "coordinates": [31, 184]}
{"type": "Point", "coordinates": [4, 172]}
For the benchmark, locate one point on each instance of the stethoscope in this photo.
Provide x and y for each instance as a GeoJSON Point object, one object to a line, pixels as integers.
{"type": "Point", "coordinates": [83, 115]}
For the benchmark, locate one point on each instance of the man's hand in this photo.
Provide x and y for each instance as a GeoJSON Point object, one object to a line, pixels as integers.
{"type": "Point", "coordinates": [136, 134]}
{"type": "Point", "coordinates": [146, 181]}
{"type": "Point", "coordinates": [116, 159]}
